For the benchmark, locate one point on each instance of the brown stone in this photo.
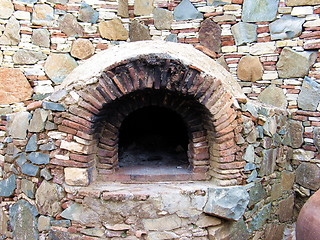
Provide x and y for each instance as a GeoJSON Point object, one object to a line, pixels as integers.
{"type": "Point", "coordinates": [113, 30]}
{"type": "Point", "coordinates": [14, 87]}
{"type": "Point", "coordinates": [143, 7]}
{"type": "Point", "coordinates": [285, 211]}
{"type": "Point", "coordinates": [41, 37]}
{"type": "Point", "coordinates": [138, 32]}
{"type": "Point", "coordinates": [42, 15]}
{"type": "Point", "coordinates": [302, 2]}
{"type": "Point", "coordinates": [274, 231]}
{"type": "Point", "coordinates": [250, 69]}
{"type": "Point", "coordinates": [274, 96]}
{"type": "Point", "coordinates": [308, 176]}
{"type": "Point", "coordinates": [123, 8]}
{"type": "Point", "coordinates": [287, 180]}
{"type": "Point", "coordinates": [210, 35]}
{"type": "Point", "coordinates": [70, 26]}
{"type": "Point", "coordinates": [82, 49]}
{"type": "Point", "coordinates": [162, 18]}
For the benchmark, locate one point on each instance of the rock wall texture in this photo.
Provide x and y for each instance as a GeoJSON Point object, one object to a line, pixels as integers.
{"type": "Point", "coordinates": [271, 48]}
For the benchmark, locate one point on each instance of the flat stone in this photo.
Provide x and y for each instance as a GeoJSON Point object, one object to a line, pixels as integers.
{"type": "Point", "coordinates": [28, 188]}
{"type": "Point", "coordinates": [56, 234]}
{"type": "Point", "coordinates": [38, 120]}
{"type": "Point", "coordinates": [95, 232]}
{"type": "Point", "coordinates": [30, 169]}
{"type": "Point", "coordinates": [250, 69]}
{"type": "Point", "coordinates": [58, 66]}
{"type": "Point", "coordinates": [58, 95]}
{"type": "Point", "coordinates": [256, 193]}
{"type": "Point", "coordinates": [38, 158]}
{"type": "Point", "coordinates": [228, 202]}
{"type": "Point", "coordinates": [28, 1]}
{"type": "Point", "coordinates": [82, 49]}
{"type": "Point", "coordinates": [287, 180]}
{"type": "Point", "coordinates": [61, 223]}
{"type": "Point", "coordinates": [113, 30]}
{"type": "Point", "coordinates": [302, 2]}
{"type": "Point", "coordinates": [162, 18]}
{"type": "Point", "coordinates": [23, 220]}
{"type": "Point", "coordinates": [308, 176]}
{"type": "Point", "coordinates": [218, 2]}
{"type": "Point", "coordinates": [48, 197]}
{"type": "Point", "coordinates": [259, 220]}
{"type": "Point", "coordinates": [123, 8]}
{"type": "Point", "coordinates": [274, 96]}
{"type": "Point", "coordinates": [4, 220]}
{"type": "Point", "coordinates": [162, 235]}
{"type": "Point", "coordinates": [259, 10]}
{"type": "Point", "coordinates": [302, 11]}
{"type": "Point", "coordinates": [70, 26]}
{"type": "Point", "coordinates": [44, 223]}
{"type": "Point", "coordinates": [294, 134]}
{"type": "Point", "coordinates": [42, 15]}
{"type": "Point", "coordinates": [88, 14]}
{"type": "Point", "coordinates": [274, 231]}
{"type": "Point", "coordinates": [316, 137]}
{"type": "Point", "coordinates": [286, 207]}
{"type": "Point", "coordinates": [117, 227]}
{"type": "Point", "coordinates": [21, 159]}
{"type": "Point", "coordinates": [293, 64]}
{"type": "Point", "coordinates": [32, 144]}
{"type": "Point", "coordinates": [232, 230]}
{"type": "Point", "coordinates": [47, 147]}
{"type": "Point", "coordinates": [222, 61]}
{"type": "Point", "coordinates": [249, 155]}
{"type": "Point", "coordinates": [28, 57]}
{"type": "Point", "coordinates": [309, 96]}
{"type": "Point", "coordinates": [262, 48]}
{"type": "Point", "coordinates": [11, 34]}
{"type": "Point", "coordinates": [287, 27]}
{"type": "Point", "coordinates": [186, 11]}
{"type": "Point", "coordinates": [45, 173]}
{"type": "Point", "coordinates": [249, 167]}
{"type": "Point", "coordinates": [208, 221]}
{"type": "Point", "coordinates": [76, 176]}
{"type": "Point", "coordinates": [172, 38]}
{"type": "Point", "coordinates": [7, 186]}
{"type": "Point", "coordinates": [268, 163]}
{"type": "Point", "coordinates": [18, 125]}
{"type": "Point", "coordinates": [210, 35]}
{"type": "Point", "coordinates": [138, 32]}
{"type": "Point", "coordinates": [7, 9]}
{"type": "Point", "coordinates": [53, 106]}
{"type": "Point", "coordinates": [41, 37]}
{"type": "Point", "coordinates": [163, 223]}
{"type": "Point", "coordinates": [80, 213]}
{"type": "Point", "coordinates": [143, 7]}
{"type": "Point", "coordinates": [1, 56]}
{"type": "Point", "coordinates": [244, 33]}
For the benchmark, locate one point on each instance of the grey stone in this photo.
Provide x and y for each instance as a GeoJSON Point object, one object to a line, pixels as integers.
{"type": "Point", "coordinates": [45, 174]}
{"type": "Point", "coordinates": [41, 37]}
{"type": "Point", "coordinates": [228, 202]}
{"type": "Point", "coordinates": [244, 33]}
{"type": "Point", "coordinates": [162, 18]}
{"type": "Point", "coordinates": [143, 7]}
{"type": "Point", "coordinates": [70, 26]}
{"type": "Point", "coordinates": [4, 220]}
{"type": "Point", "coordinates": [44, 223]}
{"type": "Point", "coordinates": [7, 9]}
{"type": "Point", "coordinates": [38, 158]}
{"type": "Point", "coordinates": [162, 235]}
{"type": "Point", "coordinates": [210, 35]}
{"type": "Point", "coordinates": [268, 163]}
{"type": "Point", "coordinates": [50, 126]}
{"type": "Point", "coordinates": [286, 27]}
{"type": "Point", "coordinates": [222, 61]}
{"type": "Point", "coordinates": [23, 220]}
{"type": "Point", "coordinates": [28, 188]}
{"type": "Point", "coordinates": [58, 1]}
{"type": "Point", "coordinates": [250, 69]}
{"type": "Point", "coordinates": [249, 154]}
{"type": "Point", "coordinates": [259, 10]}
{"type": "Point", "coordinates": [235, 230]}
{"type": "Point", "coordinates": [11, 34]}
{"type": "Point", "coordinates": [293, 64]}
{"type": "Point", "coordinates": [48, 197]}
{"type": "Point", "coordinates": [256, 193]}
{"type": "Point", "coordinates": [59, 235]}
{"type": "Point", "coordinates": [42, 15]}
{"type": "Point", "coordinates": [286, 207]}
{"type": "Point", "coordinates": [81, 214]}
{"type": "Point", "coordinates": [28, 57]}
{"type": "Point", "coordinates": [274, 96]}
{"type": "Point", "coordinates": [309, 96]}
{"type": "Point", "coordinates": [61, 223]}
{"type": "Point", "coordinates": [169, 222]}
{"type": "Point", "coordinates": [47, 147]}
{"type": "Point", "coordinates": [7, 186]}
{"type": "Point", "coordinates": [123, 8]}
{"type": "Point", "coordinates": [252, 177]}
{"type": "Point", "coordinates": [294, 134]}
{"type": "Point", "coordinates": [186, 11]}
{"type": "Point", "coordinates": [21, 159]}
{"type": "Point", "coordinates": [38, 120]}
{"type": "Point", "coordinates": [308, 176]}
{"type": "Point", "coordinates": [30, 169]}
{"type": "Point", "coordinates": [259, 220]}
{"type": "Point", "coordinates": [58, 95]}
{"type": "Point", "coordinates": [316, 137]}
{"type": "Point", "coordinates": [138, 31]}
{"type": "Point", "coordinates": [19, 124]}
{"type": "Point", "coordinates": [249, 167]}
{"type": "Point", "coordinates": [53, 106]}
{"type": "Point", "coordinates": [217, 2]}
{"type": "Point", "coordinates": [88, 14]}
{"type": "Point", "coordinates": [172, 38]}
{"type": "Point", "coordinates": [32, 144]}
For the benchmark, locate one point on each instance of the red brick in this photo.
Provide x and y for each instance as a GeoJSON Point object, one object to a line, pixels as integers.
{"type": "Point", "coordinates": [307, 113]}
{"type": "Point", "coordinates": [231, 165]}
{"type": "Point", "coordinates": [263, 29]}
{"type": "Point", "coordinates": [19, 7]}
{"type": "Point", "coordinates": [77, 126]}
{"type": "Point", "coordinates": [237, 1]}
{"type": "Point", "coordinates": [213, 14]}
{"type": "Point", "coordinates": [309, 148]}
{"type": "Point", "coordinates": [61, 7]}
{"type": "Point", "coordinates": [88, 97]}
{"type": "Point", "coordinates": [80, 112]}
{"type": "Point", "coordinates": [70, 163]}
{"type": "Point", "coordinates": [311, 46]}
{"type": "Point", "coordinates": [81, 158]}
{"type": "Point", "coordinates": [315, 124]}
{"type": "Point", "coordinates": [85, 136]}
{"type": "Point", "coordinates": [310, 34]}
{"type": "Point", "coordinates": [65, 129]}
{"type": "Point", "coordinates": [88, 107]}
{"type": "Point", "coordinates": [225, 145]}
{"type": "Point", "coordinates": [299, 117]}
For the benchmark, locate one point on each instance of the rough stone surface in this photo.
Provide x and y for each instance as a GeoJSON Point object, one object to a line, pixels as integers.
{"type": "Point", "coordinates": [259, 10]}
{"type": "Point", "coordinates": [286, 27]}
{"type": "Point", "coordinates": [274, 231]}
{"type": "Point", "coordinates": [316, 137]}
{"type": "Point", "coordinates": [11, 34]}
{"type": "Point", "coordinates": [294, 134]}
{"type": "Point", "coordinates": [164, 223]}
{"type": "Point", "coordinates": [295, 64]}
{"type": "Point", "coordinates": [28, 188]}
{"type": "Point", "coordinates": [23, 220]}
{"type": "Point", "coordinates": [262, 48]}
{"type": "Point", "coordinates": [113, 30]}
{"type": "Point", "coordinates": [19, 125]}
{"type": "Point", "coordinates": [38, 120]}
{"type": "Point", "coordinates": [41, 37]}
{"type": "Point", "coordinates": [309, 96]}
{"type": "Point", "coordinates": [7, 186]}
{"type": "Point", "coordinates": [302, 2]}
{"type": "Point", "coordinates": [45, 174]}
{"type": "Point", "coordinates": [76, 176]}
{"type": "Point", "coordinates": [3, 223]}
{"type": "Point", "coordinates": [28, 57]}
{"type": "Point", "coordinates": [7, 9]}
{"type": "Point", "coordinates": [286, 209]}
{"type": "Point", "coordinates": [58, 66]}
{"type": "Point", "coordinates": [43, 223]}
{"type": "Point", "coordinates": [274, 96]}
{"type": "Point", "coordinates": [259, 220]}
{"type": "Point", "coordinates": [80, 213]}
{"type": "Point", "coordinates": [14, 87]}
{"type": "Point", "coordinates": [123, 8]}
{"type": "Point", "coordinates": [53, 106]}
{"type": "Point", "coordinates": [162, 18]}
{"type": "Point", "coordinates": [38, 158]}
{"type": "Point", "coordinates": [229, 202]}
{"type": "Point", "coordinates": [244, 33]}
{"type": "Point", "coordinates": [250, 69]}
{"type": "Point", "coordinates": [208, 221]}
{"type": "Point", "coordinates": [70, 26]}
{"type": "Point", "coordinates": [42, 15]}
{"type": "Point", "coordinates": [256, 193]}
{"type": "Point", "coordinates": [210, 35]}
{"type": "Point", "coordinates": [235, 230]}
{"type": "Point", "coordinates": [287, 180]}
{"type": "Point", "coordinates": [268, 162]}
{"type": "Point", "coordinates": [48, 198]}
{"type": "Point", "coordinates": [32, 144]}
{"type": "Point", "coordinates": [30, 169]}
{"type": "Point", "coordinates": [143, 7]}
{"type": "Point", "coordinates": [138, 32]}
{"type": "Point", "coordinates": [308, 176]}
{"type": "Point", "coordinates": [82, 49]}
{"type": "Point", "coordinates": [186, 11]}
{"type": "Point", "coordinates": [88, 14]}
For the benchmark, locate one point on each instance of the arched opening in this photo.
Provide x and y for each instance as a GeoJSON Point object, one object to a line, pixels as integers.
{"type": "Point", "coordinates": [153, 136]}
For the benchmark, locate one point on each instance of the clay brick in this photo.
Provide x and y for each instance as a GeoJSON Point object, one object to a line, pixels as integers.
{"type": "Point", "coordinates": [264, 29]}
{"type": "Point", "coordinates": [88, 107]}
{"type": "Point", "coordinates": [315, 124]}
{"type": "Point", "coordinates": [80, 112]}
{"type": "Point", "coordinates": [70, 163]}
{"type": "Point", "coordinates": [18, 7]}
{"type": "Point", "coordinates": [66, 129]}
{"type": "Point", "coordinates": [213, 14]}
{"type": "Point", "coordinates": [225, 159]}
{"type": "Point", "coordinates": [77, 126]}
{"type": "Point", "coordinates": [107, 83]}
{"type": "Point", "coordinates": [224, 153]}
{"type": "Point", "coordinates": [61, 7]}
{"type": "Point", "coordinates": [89, 97]}
{"type": "Point", "coordinates": [225, 137]}
{"type": "Point", "coordinates": [224, 145]}
{"type": "Point", "coordinates": [300, 118]}
{"type": "Point", "coordinates": [224, 100]}
{"type": "Point", "coordinates": [225, 123]}
{"type": "Point", "coordinates": [85, 136]}
{"type": "Point", "coordinates": [309, 148]}
{"type": "Point", "coordinates": [117, 82]}
{"type": "Point", "coordinates": [102, 46]}
{"type": "Point", "coordinates": [264, 39]}
{"type": "Point", "coordinates": [237, 1]}
{"type": "Point", "coordinates": [77, 119]}
{"type": "Point", "coordinates": [307, 113]}
{"type": "Point", "coordinates": [81, 158]}
{"type": "Point", "coordinates": [231, 165]}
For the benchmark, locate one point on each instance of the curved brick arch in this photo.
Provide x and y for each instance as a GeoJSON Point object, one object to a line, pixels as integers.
{"type": "Point", "coordinates": [158, 70]}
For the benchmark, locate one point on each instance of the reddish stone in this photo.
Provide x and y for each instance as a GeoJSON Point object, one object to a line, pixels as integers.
{"type": "Point", "coordinates": [210, 35]}
{"type": "Point", "coordinates": [263, 29]}
{"type": "Point", "coordinates": [311, 46]}
{"type": "Point", "coordinates": [67, 129]}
